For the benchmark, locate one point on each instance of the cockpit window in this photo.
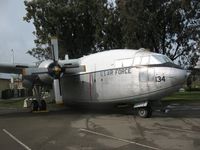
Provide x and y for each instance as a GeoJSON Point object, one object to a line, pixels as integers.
{"type": "Point", "coordinates": [168, 59]}
{"type": "Point", "coordinates": [159, 59]}
{"type": "Point", "coordinates": [154, 60]}
{"type": "Point", "coordinates": [151, 59]}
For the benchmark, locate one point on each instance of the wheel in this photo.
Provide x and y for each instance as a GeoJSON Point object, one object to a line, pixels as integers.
{"type": "Point", "coordinates": [34, 105]}
{"type": "Point", "coordinates": [43, 105]}
{"type": "Point", "coordinates": [144, 112]}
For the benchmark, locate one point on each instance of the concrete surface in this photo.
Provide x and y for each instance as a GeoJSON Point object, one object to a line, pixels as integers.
{"type": "Point", "coordinates": [77, 129]}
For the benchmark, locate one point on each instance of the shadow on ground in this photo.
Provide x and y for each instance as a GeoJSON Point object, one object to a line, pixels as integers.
{"type": "Point", "coordinates": [174, 111]}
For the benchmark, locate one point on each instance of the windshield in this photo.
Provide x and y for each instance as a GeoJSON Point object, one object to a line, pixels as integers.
{"type": "Point", "coordinates": [159, 59]}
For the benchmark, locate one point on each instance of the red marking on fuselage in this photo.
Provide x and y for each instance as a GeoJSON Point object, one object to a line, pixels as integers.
{"type": "Point", "coordinates": [90, 86]}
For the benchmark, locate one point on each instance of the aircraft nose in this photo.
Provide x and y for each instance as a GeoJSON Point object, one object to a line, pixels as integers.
{"type": "Point", "coordinates": [180, 75]}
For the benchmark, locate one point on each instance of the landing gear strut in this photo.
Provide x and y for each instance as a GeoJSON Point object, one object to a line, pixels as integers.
{"type": "Point", "coordinates": [34, 105]}
{"type": "Point", "coordinates": [38, 104]}
{"type": "Point", "coordinates": [144, 109]}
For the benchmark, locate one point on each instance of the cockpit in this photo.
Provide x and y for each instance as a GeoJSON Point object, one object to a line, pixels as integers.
{"type": "Point", "coordinates": [151, 60]}
{"type": "Point", "coordinates": [159, 59]}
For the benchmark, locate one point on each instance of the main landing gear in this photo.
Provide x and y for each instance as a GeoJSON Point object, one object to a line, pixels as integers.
{"type": "Point", "coordinates": [144, 109]}
{"type": "Point", "coordinates": [38, 104]}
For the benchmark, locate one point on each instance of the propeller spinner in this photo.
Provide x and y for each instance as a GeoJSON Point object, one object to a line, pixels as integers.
{"type": "Point", "coordinates": [55, 70]}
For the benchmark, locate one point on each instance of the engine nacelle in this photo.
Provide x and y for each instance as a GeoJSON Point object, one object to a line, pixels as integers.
{"type": "Point", "coordinates": [46, 78]}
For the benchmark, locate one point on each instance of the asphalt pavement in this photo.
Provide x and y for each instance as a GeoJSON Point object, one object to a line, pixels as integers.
{"type": "Point", "coordinates": [82, 129]}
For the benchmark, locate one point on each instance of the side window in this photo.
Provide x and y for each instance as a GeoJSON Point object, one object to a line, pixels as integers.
{"type": "Point", "coordinates": [137, 60]}
{"type": "Point", "coordinates": [145, 60]}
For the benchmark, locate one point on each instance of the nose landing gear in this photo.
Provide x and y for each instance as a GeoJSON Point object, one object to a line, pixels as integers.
{"type": "Point", "coordinates": [144, 112]}
{"type": "Point", "coordinates": [144, 109]}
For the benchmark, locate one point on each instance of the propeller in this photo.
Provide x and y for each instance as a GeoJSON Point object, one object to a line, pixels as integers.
{"type": "Point", "coordinates": [56, 71]}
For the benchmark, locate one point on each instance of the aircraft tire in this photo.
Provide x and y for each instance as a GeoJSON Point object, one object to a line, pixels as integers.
{"type": "Point", "coordinates": [34, 105]}
{"type": "Point", "coordinates": [43, 105]}
{"type": "Point", "coordinates": [144, 112]}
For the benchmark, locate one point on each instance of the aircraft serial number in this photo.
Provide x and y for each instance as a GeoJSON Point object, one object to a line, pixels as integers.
{"type": "Point", "coordinates": [160, 78]}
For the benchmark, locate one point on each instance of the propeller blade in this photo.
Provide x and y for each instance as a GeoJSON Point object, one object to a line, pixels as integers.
{"type": "Point", "coordinates": [54, 43]}
{"type": "Point", "coordinates": [55, 71]}
{"type": "Point", "coordinates": [57, 91]}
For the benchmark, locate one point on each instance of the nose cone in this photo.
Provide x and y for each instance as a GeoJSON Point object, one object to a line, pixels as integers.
{"type": "Point", "coordinates": [180, 75]}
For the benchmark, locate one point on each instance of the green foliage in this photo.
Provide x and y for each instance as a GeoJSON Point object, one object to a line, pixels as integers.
{"type": "Point", "coordinates": [82, 26]}
{"type": "Point", "coordinates": [171, 27]}
{"type": "Point", "coordinates": [184, 96]}
{"type": "Point", "coordinates": [18, 103]}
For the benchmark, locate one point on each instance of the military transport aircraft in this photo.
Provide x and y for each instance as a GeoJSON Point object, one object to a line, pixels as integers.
{"type": "Point", "coordinates": [121, 76]}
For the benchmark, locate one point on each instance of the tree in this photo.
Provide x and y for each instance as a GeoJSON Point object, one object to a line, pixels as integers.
{"type": "Point", "coordinates": [82, 26]}
{"type": "Point", "coordinates": [170, 27]}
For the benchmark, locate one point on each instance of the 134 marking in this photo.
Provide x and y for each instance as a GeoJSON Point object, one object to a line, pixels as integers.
{"type": "Point", "coordinates": [160, 78]}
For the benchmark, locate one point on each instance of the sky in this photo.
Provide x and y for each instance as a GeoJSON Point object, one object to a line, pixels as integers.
{"type": "Point", "coordinates": [15, 34]}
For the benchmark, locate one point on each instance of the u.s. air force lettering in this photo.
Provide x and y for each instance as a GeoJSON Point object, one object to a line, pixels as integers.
{"type": "Point", "coordinates": [118, 71]}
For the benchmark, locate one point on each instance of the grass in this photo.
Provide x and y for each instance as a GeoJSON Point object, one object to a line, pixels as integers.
{"type": "Point", "coordinates": [12, 103]}
{"type": "Point", "coordinates": [19, 103]}
{"type": "Point", "coordinates": [193, 96]}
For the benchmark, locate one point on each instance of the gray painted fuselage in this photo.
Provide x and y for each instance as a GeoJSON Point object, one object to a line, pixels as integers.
{"type": "Point", "coordinates": [119, 79]}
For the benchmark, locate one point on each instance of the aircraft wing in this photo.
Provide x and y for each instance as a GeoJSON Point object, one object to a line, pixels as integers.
{"type": "Point", "coordinates": [71, 67]}
{"type": "Point", "coordinates": [13, 68]}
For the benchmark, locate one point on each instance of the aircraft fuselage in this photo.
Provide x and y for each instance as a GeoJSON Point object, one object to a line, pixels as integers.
{"type": "Point", "coordinates": [121, 76]}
